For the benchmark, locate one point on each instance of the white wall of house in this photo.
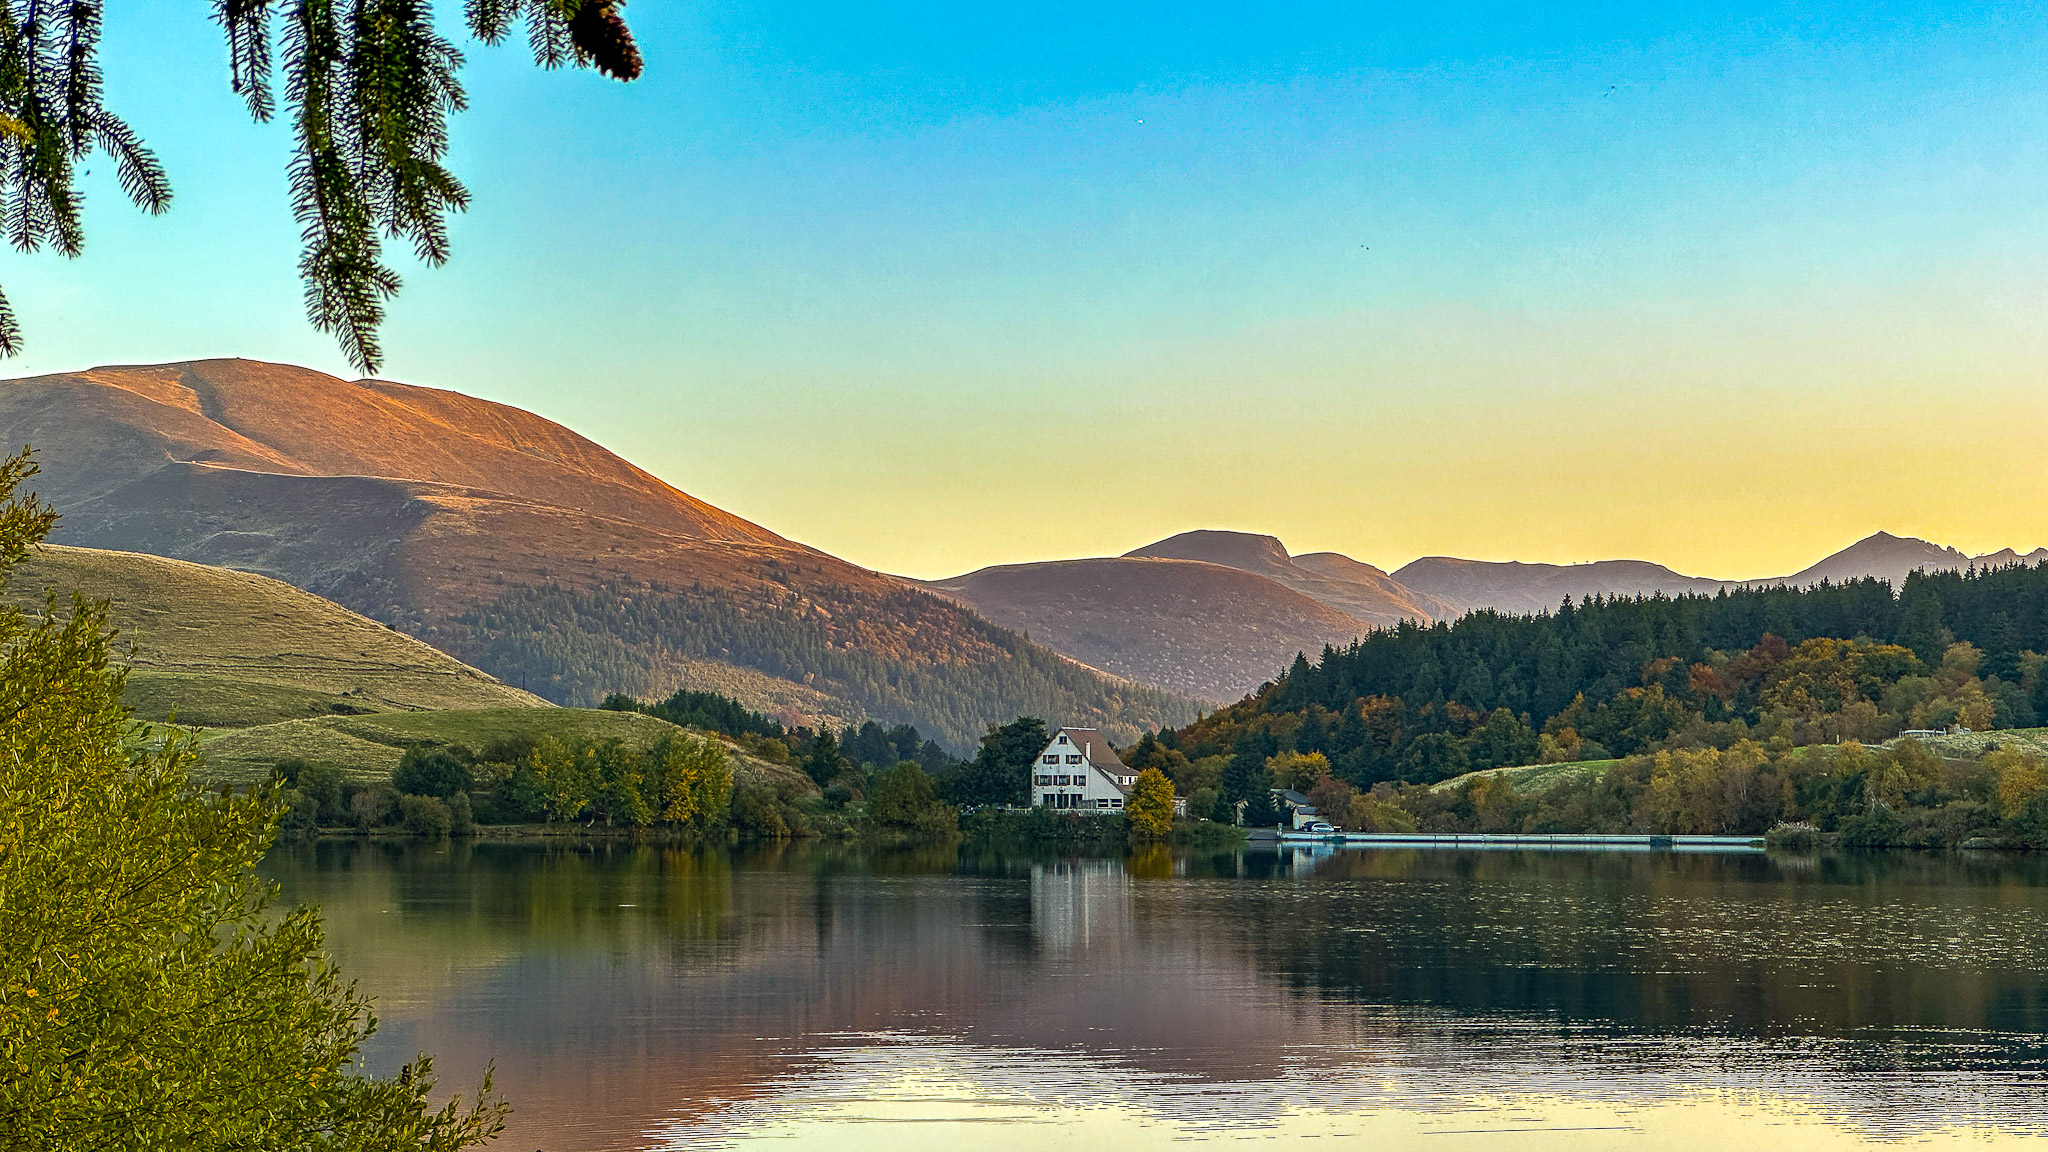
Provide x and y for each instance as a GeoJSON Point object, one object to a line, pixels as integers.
{"type": "Point", "coordinates": [1078, 772]}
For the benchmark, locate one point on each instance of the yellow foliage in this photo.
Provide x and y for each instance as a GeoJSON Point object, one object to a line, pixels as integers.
{"type": "Point", "coordinates": [1150, 813]}
{"type": "Point", "coordinates": [2020, 777]}
{"type": "Point", "coordinates": [1298, 770]}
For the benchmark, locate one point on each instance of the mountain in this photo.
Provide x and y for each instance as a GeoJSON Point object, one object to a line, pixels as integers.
{"type": "Point", "coordinates": [1890, 557]}
{"type": "Point", "coordinates": [1201, 629]}
{"type": "Point", "coordinates": [510, 542]}
{"type": "Point", "coordinates": [1520, 589]}
{"type": "Point", "coordinates": [1352, 587]}
{"type": "Point", "coordinates": [216, 648]}
{"type": "Point", "coordinates": [1212, 614]}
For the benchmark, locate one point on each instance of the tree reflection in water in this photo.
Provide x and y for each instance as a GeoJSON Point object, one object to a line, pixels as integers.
{"type": "Point", "coordinates": [626, 992]}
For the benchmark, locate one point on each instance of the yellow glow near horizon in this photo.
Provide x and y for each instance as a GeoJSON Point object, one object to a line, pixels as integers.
{"type": "Point", "coordinates": [1733, 446]}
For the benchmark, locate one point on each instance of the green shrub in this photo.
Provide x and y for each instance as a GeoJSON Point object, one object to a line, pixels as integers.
{"type": "Point", "coordinates": [429, 771]}
{"type": "Point", "coordinates": [904, 801]}
{"type": "Point", "coordinates": [424, 816]}
{"type": "Point", "coordinates": [301, 813]}
{"type": "Point", "coordinates": [1878, 827]}
{"type": "Point", "coordinates": [373, 807]}
{"type": "Point", "coordinates": [322, 782]}
{"type": "Point", "coordinates": [1796, 836]}
{"type": "Point", "coordinates": [461, 816]}
{"type": "Point", "coordinates": [756, 814]}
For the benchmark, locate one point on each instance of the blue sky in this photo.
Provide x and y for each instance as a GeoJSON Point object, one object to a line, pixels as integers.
{"type": "Point", "coordinates": [1726, 287]}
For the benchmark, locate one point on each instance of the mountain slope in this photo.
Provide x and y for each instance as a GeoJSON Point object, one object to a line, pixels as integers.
{"type": "Point", "coordinates": [1891, 558]}
{"type": "Point", "coordinates": [507, 540]}
{"type": "Point", "coordinates": [1519, 589]}
{"type": "Point", "coordinates": [1354, 588]}
{"type": "Point", "coordinates": [228, 649]}
{"type": "Point", "coordinates": [1202, 629]}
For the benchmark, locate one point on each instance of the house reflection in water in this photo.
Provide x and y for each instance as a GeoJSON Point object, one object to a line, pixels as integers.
{"type": "Point", "coordinates": [1082, 907]}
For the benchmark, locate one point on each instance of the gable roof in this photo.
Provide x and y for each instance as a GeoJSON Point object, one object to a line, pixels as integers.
{"type": "Point", "coordinates": [1092, 742]}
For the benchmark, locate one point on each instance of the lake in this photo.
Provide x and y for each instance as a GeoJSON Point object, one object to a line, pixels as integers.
{"type": "Point", "coordinates": [818, 996]}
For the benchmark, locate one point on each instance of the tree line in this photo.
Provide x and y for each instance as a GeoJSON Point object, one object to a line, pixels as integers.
{"type": "Point", "coordinates": [1615, 677]}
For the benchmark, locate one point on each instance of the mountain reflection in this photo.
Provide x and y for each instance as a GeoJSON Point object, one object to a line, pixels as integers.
{"type": "Point", "coordinates": [625, 991]}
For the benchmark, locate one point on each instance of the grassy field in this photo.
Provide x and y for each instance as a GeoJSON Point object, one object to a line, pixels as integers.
{"type": "Point", "coordinates": [369, 747]}
{"type": "Point", "coordinates": [1539, 778]}
{"type": "Point", "coordinates": [1970, 745]}
{"type": "Point", "coordinates": [1532, 778]}
{"type": "Point", "coordinates": [217, 648]}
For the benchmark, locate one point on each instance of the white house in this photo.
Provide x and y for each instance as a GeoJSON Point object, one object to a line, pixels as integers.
{"type": "Point", "coordinates": [1080, 771]}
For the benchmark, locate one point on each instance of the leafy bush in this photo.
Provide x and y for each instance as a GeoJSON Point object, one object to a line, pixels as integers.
{"type": "Point", "coordinates": [424, 815]}
{"type": "Point", "coordinates": [1880, 827]}
{"type": "Point", "coordinates": [373, 807]}
{"type": "Point", "coordinates": [427, 770]}
{"type": "Point", "coordinates": [1795, 836]}
{"type": "Point", "coordinates": [903, 800]}
{"type": "Point", "coordinates": [461, 816]}
{"type": "Point", "coordinates": [322, 782]}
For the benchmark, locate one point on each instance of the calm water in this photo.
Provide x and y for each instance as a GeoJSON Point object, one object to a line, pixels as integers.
{"type": "Point", "coordinates": [817, 997]}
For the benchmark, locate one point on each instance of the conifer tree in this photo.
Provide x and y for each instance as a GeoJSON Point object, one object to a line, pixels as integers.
{"type": "Point", "coordinates": [368, 86]}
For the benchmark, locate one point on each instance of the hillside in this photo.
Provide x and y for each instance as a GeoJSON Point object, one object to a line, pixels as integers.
{"type": "Point", "coordinates": [367, 748]}
{"type": "Point", "coordinates": [1520, 589]}
{"type": "Point", "coordinates": [1210, 614]}
{"type": "Point", "coordinates": [1891, 558]}
{"type": "Point", "coordinates": [1517, 588]}
{"type": "Point", "coordinates": [508, 541]}
{"type": "Point", "coordinates": [228, 649]}
{"type": "Point", "coordinates": [1616, 677]}
{"type": "Point", "coordinates": [1352, 587]}
{"type": "Point", "coordinates": [1200, 629]}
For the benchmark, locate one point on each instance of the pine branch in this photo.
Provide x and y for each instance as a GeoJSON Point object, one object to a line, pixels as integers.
{"type": "Point", "coordinates": [10, 329]}
{"type": "Point", "coordinates": [142, 177]}
{"type": "Point", "coordinates": [247, 24]}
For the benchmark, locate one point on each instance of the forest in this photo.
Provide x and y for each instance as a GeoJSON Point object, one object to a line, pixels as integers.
{"type": "Point", "coordinates": [1613, 677]}
{"type": "Point", "coordinates": [1748, 681]}
{"type": "Point", "coordinates": [577, 647]}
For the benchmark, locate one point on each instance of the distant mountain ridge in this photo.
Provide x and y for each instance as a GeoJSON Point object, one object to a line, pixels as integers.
{"type": "Point", "coordinates": [1351, 586]}
{"type": "Point", "coordinates": [1209, 613]}
{"type": "Point", "coordinates": [508, 541]}
{"type": "Point", "coordinates": [1216, 613]}
{"type": "Point", "coordinates": [1524, 588]}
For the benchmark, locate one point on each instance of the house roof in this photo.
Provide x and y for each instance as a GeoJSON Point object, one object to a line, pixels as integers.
{"type": "Point", "coordinates": [1092, 742]}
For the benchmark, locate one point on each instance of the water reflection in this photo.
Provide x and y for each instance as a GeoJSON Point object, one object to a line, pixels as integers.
{"type": "Point", "coordinates": [636, 997]}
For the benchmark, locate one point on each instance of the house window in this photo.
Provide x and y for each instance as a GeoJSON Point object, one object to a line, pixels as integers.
{"type": "Point", "coordinates": [1063, 739]}
{"type": "Point", "coordinates": [1102, 803]}
{"type": "Point", "coordinates": [1042, 781]}
{"type": "Point", "coordinates": [1073, 759]}
{"type": "Point", "coordinates": [1116, 802]}
{"type": "Point", "coordinates": [1052, 758]}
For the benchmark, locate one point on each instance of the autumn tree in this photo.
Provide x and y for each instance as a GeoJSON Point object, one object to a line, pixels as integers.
{"type": "Point", "coordinates": [1150, 809]}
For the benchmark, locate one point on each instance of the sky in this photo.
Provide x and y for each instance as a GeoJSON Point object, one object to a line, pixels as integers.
{"type": "Point", "coordinates": [938, 285]}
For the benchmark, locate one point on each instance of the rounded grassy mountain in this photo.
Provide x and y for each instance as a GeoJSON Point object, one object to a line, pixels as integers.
{"type": "Point", "coordinates": [217, 648]}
